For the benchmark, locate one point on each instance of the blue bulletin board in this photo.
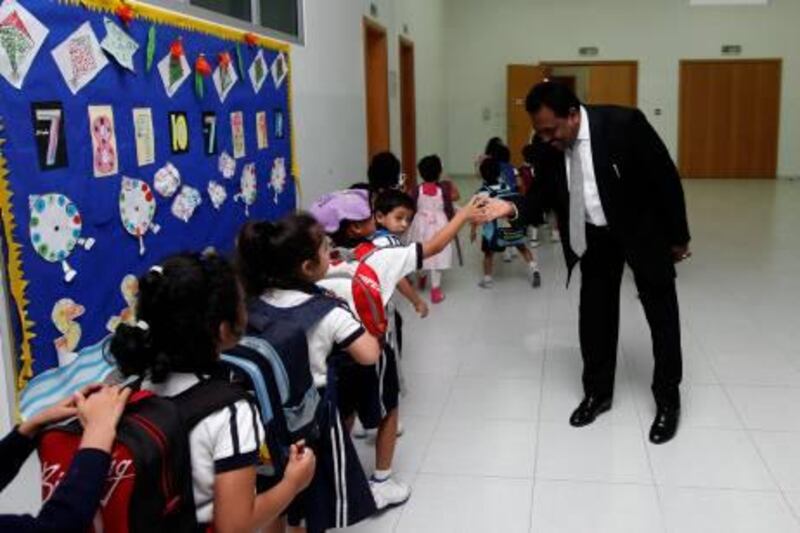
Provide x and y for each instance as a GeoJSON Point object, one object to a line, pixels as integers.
{"type": "Point", "coordinates": [107, 166]}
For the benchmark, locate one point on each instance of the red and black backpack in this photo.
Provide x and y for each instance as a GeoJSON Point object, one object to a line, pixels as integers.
{"type": "Point", "coordinates": [149, 483]}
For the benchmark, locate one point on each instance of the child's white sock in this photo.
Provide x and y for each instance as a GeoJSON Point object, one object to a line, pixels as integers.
{"type": "Point", "coordinates": [382, 475]}
{"type": "Point", "coordinates": [487, 278]}
{"type": "Point", "coordinates": [533, 266]}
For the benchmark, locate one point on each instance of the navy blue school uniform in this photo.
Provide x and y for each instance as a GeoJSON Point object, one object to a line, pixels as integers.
{"type": "Point", "coordinates": [339, 494]}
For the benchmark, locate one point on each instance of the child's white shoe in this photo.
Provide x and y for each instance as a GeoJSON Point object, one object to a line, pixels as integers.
{"type": "Point", "coordinates": [389, 493]}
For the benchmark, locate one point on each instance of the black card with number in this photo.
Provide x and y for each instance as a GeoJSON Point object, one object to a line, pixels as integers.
{"type": "Point", "coordinates": [48, 131]}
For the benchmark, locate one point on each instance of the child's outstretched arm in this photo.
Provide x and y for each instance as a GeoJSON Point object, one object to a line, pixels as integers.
{"type": "Point", "coordinates": [407, 290]}
{"type": "Point", "coordinates": [449, 232]}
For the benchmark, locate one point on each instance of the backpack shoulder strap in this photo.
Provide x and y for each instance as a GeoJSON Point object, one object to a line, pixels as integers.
{"type": "Point", "coordinates": [208, 396]}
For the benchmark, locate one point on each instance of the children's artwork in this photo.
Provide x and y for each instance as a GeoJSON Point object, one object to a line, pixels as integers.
{"type": "Point", "coordinates": [137, 208]}
{"type": "Point", "coordinates": [227, 166]}
{"type": "Point", "coordinates": [58, 383]}
{"type": "Point", "coordinates": [209, 132]}
{"type": "Point", "coordinates": [129, 288]}
{"type": "Point", "coordinates": [280, 126]}
{"type": "Point", "coordinates": [64, 314]}
{"type": "Point", "coordinates": [167, 180]}
{"type": "Point", "coordinates": [280, 68]}
{"type": "Point", "coordinates": [277, 180]}
{"type": "Point", "coordinates": [237, 134]}
{"type": "Point", "coordinates": [80, 113]}
{"type": "Point", "coordinates": [21, 37]}
{"type": "Point", "coordinates": [179, 132]}
{"type": "Point", "coordinates": [119, 44]}
{"type": "Point", "coordinates": [104, 140]}
{"type": "Point", "coordinates": [79, 57]}
{"type": "Point", "coordinates": [145, 139]}
{"type": "Point", "coordinates": [224, 76]}
{"type": "Point", "coordinates": [55, 230]}
{"type": "Point", "coordinates": [48, 129]}
{"type": "Point", "coordinates": [262, 134]}
{"type": "Point", "coordinates": [258, 71]}
{"type": "Point", "coordinates": [186, 202]}
{"type": "Point", "coordinates": [249, 190]}
{"type": "Point", "coordinates": [217, 193]}
{"type": "Point", "coordinates": [173, 71]}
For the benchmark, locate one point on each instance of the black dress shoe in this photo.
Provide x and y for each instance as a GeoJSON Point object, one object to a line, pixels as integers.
{"type": "Point", "coordinates": [665, 424]}
{"type": "Point", "coordinates": [589, 409]}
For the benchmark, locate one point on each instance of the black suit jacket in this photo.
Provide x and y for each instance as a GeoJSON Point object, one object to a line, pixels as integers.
{"type": "Point", "coordinates": [639, 186]}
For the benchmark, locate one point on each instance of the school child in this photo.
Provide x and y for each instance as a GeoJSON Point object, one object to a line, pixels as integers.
{"type": "Point", "coordinates": [190, 309]}
{"type": "Point", "coordinates": [347, 218]}
{"type": "Point", "coordinates": [434, 206]}
{"type": "Point", "coordinates": [280, 264]}
{"type": "Point", "coordinates": [73, 503]}
{"type": "Point", "coordinates": [497, 237]}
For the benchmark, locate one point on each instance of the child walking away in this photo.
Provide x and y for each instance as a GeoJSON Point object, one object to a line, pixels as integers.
{"type": "Point", "coordinates": [366, 278]}
{"type": "Point", "coordinates": [435, 208]}
{"type": "Point", "coordinates": [190, 309]}
{"type": "Point", "coordinates": [499, 235]}
{"type": "Point", "coordinates": [280, 264]}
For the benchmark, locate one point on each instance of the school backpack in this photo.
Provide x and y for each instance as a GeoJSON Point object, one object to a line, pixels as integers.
{"type": "Point", "coordinates": [149, 483]}
{"type": "Point", "coordinates": [497, 234]}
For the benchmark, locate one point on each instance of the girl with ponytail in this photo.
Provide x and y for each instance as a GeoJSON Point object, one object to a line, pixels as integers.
{"type": "Point", "coordinates": [190, 309]}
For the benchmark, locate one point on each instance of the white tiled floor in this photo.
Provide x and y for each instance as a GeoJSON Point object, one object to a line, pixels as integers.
{"type": "Point", "coordinates": [493, 376]}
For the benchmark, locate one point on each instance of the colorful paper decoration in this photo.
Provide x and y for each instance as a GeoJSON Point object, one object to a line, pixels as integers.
{"type": "Point", "coordinates": [129, 287]}
{"type": "Point", "coordinates": [104, 141]}
{"type": "Point", "coordinates": [186, 202]}
{"type": "Point", "coordinates": [21, 37]}
{"type": "Point", "coordinates": [240, 60]}
{"type": "Point", "coordinates": [55, 230]}
{"type": "Point", "coordinates": [48, 130]}
{"type": "Point", "coordinates": [125, 14]}
{"type": "Point", "coordinates": [179, 132]}
{"type": "Point", "coordinates": [258, 71]}
{"type": "Point", "coordinates": [280, 124]}
{"type": "Point", "coordinates": [209, 133]}
{"type": "Point", "coordinates": [151, 47]}
{"type": "Point", "coordinates": [251, 39]}
{"type": "Point", "coordinates": [277, 180]}
{"type": "Point", "coordinates": [280, 69]}
{"type": "Point", "coordinates": [217, 193]}
{"type": "Point", "coordinates": [119, 44]}
{"type": "Point", "coordinates": [64, 314]}
{"type": "Point", "coordinates": [227, 166]}
{"type": "Point", "coordinates": [249, 187]}
{"type": "Point", "coordinates": [174, 69]}
{"type": "Point", "coordinates": [237, 134]}
{"type": "Point", "coordinates": [262, 134]}
{"type": "Point", "coordinates": [145, 138]}
{"type": "Point", "coordinates": [224, 76]}
{"type": "Point", "coordinates": [79, 57]}
{"type": "Point", "coordinates": [167, 180]}
{"type": "Point", "coordinates": [137, 208]}
{"type": "Point", "coordinates": [202, 69]}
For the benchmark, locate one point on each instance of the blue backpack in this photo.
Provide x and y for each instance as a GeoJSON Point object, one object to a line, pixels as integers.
{"type": "Point", "coordinates": [502, 236]}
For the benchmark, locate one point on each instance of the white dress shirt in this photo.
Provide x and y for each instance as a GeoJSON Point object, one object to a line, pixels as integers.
{"type": "Point", "coordinates": [591, 196]}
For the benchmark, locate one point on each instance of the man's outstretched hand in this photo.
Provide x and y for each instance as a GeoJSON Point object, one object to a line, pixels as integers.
{"type": "Point", "coordinates": [491, 209]}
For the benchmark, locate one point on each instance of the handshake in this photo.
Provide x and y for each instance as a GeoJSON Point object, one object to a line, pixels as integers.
{"type": "Point", "coordinates": [482, 209]}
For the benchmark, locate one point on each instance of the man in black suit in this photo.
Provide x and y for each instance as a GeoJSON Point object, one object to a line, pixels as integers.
{"type": "Point", "coordinates": [618, 199]}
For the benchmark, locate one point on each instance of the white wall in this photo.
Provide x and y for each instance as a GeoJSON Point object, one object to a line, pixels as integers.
{"type": "Point", "coordinates": [328, 77]}
{"type": "Point", "coordinates": [483, 37]}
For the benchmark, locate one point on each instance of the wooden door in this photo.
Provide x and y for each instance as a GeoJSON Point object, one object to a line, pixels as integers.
{"type": "Point", "coordinates": [729, 118]}
{"type": "Point", "coordinates": [376, 65]}
{"type": "Point", "coordinates": [408, 113]}
{"type": "Point", "coordinates": [520, 80]}
{"type": "Point", "coordinates": [613, 83]}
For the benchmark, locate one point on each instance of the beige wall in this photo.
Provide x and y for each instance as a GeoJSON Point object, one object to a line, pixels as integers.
{"type": "Point", "coordinates": [328, 82]}
{"type": "Point", "coordinates": [483, 37]}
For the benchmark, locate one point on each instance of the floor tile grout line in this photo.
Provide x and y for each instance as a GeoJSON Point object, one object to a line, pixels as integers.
{"type": "Point", "coordinates": [751, 438]}
{"type": "Point", "coordinates": [537, 442]}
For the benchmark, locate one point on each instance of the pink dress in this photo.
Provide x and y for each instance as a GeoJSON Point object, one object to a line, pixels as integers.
{"type": "Point", "coordinates": [431, 218]}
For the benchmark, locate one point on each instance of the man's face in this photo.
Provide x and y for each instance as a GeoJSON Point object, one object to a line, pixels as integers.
{"type": "Point", "coordinates": [558, 132]}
